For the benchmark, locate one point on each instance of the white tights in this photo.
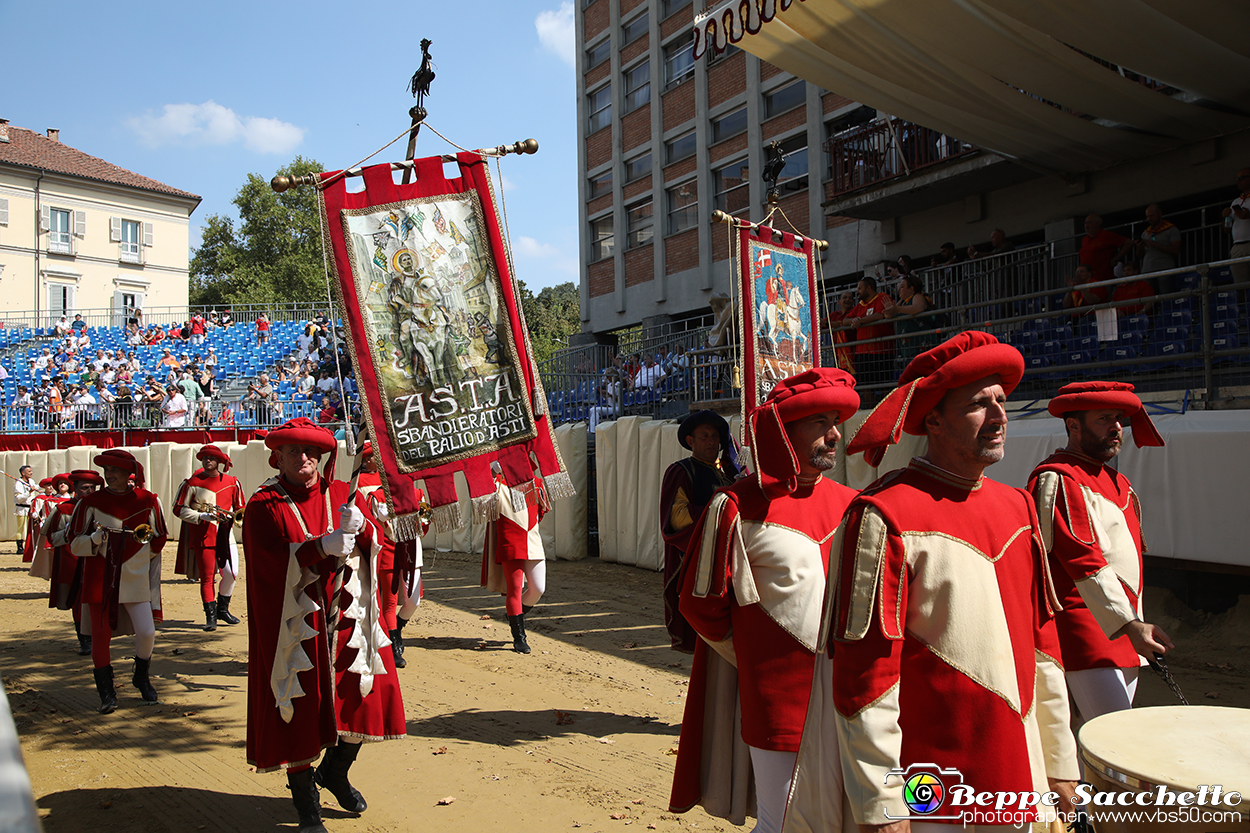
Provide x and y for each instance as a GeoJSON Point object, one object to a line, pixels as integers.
{"type": "Point", "coordinates": [1098, 691]}
{"type": "Point", "coordinates": [773, 771]}
{"type": "Point", "coordinates": [535, 581]}
{"type": "Point", "coordinates": [408, 604]}
{"type": "Point", "coordinates": [226, 587]}
{"type": "Point", "coordinates": [145, 628]}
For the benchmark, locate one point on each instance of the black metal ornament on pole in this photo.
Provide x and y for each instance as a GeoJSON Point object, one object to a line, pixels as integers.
{"type": "Point", "coordinates": [420, 88]}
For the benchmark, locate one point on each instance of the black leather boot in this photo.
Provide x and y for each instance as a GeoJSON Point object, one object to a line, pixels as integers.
{"type": "Point", "coordinates": [84, 640]}
{"type": "Point", "coordinates": [397, 648]}
{"type": "Point", "coordinates": [141, 682]}
{"type": "Point", "coordinates": [332, 774]}
{"type": "Point", "coordinates": [307, 800]}
{"type": "Point", "coordinates": [104, 687]}
{"type": "Point", "coordinates": [210, 616]}
{"type": "Point", "coordinates": [519, 643]}
{"type": "Point", "coordinates": [223, 611]}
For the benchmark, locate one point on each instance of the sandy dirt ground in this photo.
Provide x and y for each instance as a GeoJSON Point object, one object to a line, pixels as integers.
{"type": "Point", "coordinates": [579, 734]}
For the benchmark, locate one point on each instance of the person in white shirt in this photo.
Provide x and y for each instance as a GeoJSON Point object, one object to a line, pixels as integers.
{"type": "Point", "coordinates": [326, 383]}
{"type": "Point", "coordinates": [83, 406]}
{"type": "Point", "coordinates": [84, 341]}
{"type": "Point", "coordinates": [62, 327]}
{"type": "Point", "coordinates": [108, 375]}
{"type": "Point", "coordinates": [24, 490]}
{"type": "Point", "coordinates": [4, 373]}
{"type": "Point", "coordinates": [97, 364]}
{"type": "Point", "coordinates": [44, 359]}
{"type": "Point", "coordinates": [649, 376]}
{"type": "Point", "coordinates": [306, 382]}
{"type": "Point", "coordinates": [173, 408]}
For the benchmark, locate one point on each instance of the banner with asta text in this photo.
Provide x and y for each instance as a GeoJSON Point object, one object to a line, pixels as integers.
{"type": "Point", "coordinates": [781, 335]}
{"type": "Point", "coordinates": [439, 343]}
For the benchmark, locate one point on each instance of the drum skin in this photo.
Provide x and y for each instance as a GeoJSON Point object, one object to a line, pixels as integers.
{"type": "Point", "coordinates": [1178, 747]}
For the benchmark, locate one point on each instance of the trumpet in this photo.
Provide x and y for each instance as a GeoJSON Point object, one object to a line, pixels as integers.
{"type": "Point", "coordinates": [425, 511]}
{"type": "Point", "coordinates": [220, 515]}
{"type": "Point", "coordinates": [142, 534]}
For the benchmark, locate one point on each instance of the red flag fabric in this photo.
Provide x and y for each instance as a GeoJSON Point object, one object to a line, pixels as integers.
{"type": "Point", "coordinates": [438, 342]}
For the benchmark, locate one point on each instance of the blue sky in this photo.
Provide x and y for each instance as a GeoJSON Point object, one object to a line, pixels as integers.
{"type": "Point", "coordinates": [198, 96]}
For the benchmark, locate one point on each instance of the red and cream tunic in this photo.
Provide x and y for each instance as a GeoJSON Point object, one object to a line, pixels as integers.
{"type": "Point", "coordinates": [119, 570]}
{"type": "Point", "coordinates": [515, 534]}
{"type": "Point", "coordinates": [35, 513]}
{"type": "Point", "coordinates": [295, 708]}
{"type": "Point", "coordinates": [42, 510]}
{"type": "Point", "coordinates": [943, 657]}
{"type": "Point", "coordinates": [221, 490]}
{"type": "Point", "coordinates": [752, 587]}
{"type": "Point", "coordinates": [53, 556]}
{"type": "Point", "coordinates": [1091, 526]}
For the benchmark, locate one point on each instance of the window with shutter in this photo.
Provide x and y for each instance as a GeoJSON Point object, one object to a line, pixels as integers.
{"type": "Point", "coordinates": [44, 217]}
{"type": "Point", "coordinates": [60, 241]}
{"type": "Point", "coordinates": [4, 212]}
{"type": "Point", "coordinates": [130, 241]}
{"type": "Point", "coordinates": [115, 229]}
{"type": "Point", "coordinates": [80, 224]}
{"type": "Point", "coordinates": [147, 234]}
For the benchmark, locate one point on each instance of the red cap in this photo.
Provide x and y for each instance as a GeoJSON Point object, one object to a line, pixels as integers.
{"type": "Point", "coordinates": [958, 361]}
{"type": "Point", "coordinates": [118, 458]}
{"type": "Point", "coordinates": [85, 476]}
{"type": "Point", "coordinates": [1118, 396]}
{"type": "Point", "coordinates": [214, 453]}
{"type": "Point", "coordinates": [303, 431]}
{"type": "Point", "coordinates": [810, 392]}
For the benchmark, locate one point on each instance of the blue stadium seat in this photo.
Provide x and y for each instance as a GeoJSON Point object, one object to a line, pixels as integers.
{"type": "Point", "coordinates": [1223, 343]}
{"type": "Point", "coordinates": [1177, 318]}
{"type": "Point", "coordinates": [1220, 275]}
{"type": "Point", "coordinates": [1134, 324]}
{"type": "Point", "coordinates": [1224, 312]}
{"type": "Point", "coordinates": [1166, 352]}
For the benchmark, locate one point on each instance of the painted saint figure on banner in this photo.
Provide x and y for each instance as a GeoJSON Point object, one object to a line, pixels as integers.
{"type": "Point", "coordinates": [783, 320]}
{"type": "Point", "coordinates": [430, 301]}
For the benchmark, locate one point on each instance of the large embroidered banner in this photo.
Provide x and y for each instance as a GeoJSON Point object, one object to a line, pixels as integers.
{"type": "Point", "coordinates": [781, 335]}
{"type": "Point", "coordinates": [438, 341]}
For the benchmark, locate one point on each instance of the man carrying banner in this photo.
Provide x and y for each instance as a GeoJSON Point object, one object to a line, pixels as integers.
{"type": "Point", "coordinates": [751, 586]}
{"type": "Point", "coordinates": [298, 529]}
{"type": "Point", "coordinates": [120, 532]}
{"type": "Point", "coordinates": [939, 611]}
{"type": "Point", "coordinates": [207, 502]}
{"type": "Point", "coordinates": [685, 491]}
{"type": "Point", "coordinates": [1091, 526]}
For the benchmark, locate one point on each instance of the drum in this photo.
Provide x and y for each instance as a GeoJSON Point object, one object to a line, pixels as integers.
{"type": "Point", "coordinates": [1174, 750]}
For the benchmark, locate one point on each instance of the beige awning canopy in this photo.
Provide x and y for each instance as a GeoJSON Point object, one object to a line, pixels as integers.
{"type": "Point", "coordinates": [1029, 79]}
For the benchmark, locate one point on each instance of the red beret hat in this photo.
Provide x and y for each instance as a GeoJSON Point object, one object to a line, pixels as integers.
{"type": "Point", "coordinates": [960, 360]}
{"type": "Point", "coordinates": [813, 391]}
{"type": "Point", "coordinates": [300, 431]}
{"type": "Point", "coordinates": [85, 476]}
{"type": "Point", "coordinates": [215, 453]}
{"type": "Point", "coordinates": [366, 449]}
{"type": "Point", "coordinates": [47, 481]}
{"type": "Point", "coordinates": [1118, 396]}
{"type": "Point", "coordinates": [118, 458]}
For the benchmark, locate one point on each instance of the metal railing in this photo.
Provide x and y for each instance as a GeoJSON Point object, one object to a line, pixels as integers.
{"type": "Point", "coordinates": [1193, 338]}
{"type": "Point", "coordinates": [164, 316]}
{"type": "Point", "coordinates": [886, 149]}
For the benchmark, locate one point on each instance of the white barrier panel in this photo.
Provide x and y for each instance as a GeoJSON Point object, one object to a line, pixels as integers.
{"type": "Point", "coordinates": [565, 528]}
{"type": "Point", "coordinates": [605, 483]}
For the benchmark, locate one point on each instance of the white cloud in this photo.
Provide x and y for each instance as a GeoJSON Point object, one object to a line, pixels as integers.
{"type": "Point", "coordinates": [542, 264]}
{"type": "Point", "coordinates": [211, 124]}
{"type": "Point", "coordinates": [555, 32]}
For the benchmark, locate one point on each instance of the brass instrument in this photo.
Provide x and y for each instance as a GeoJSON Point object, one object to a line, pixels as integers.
{"type": "Point", "coordinates": [220, 515]}
{"type": "Point", "coordinates": [425, 512]}
{"type": "Point", "coordinates": [142, 534]}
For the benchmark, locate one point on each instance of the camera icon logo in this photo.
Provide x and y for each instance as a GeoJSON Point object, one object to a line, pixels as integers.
{"type": "Point", "coordinates": [925, 789]}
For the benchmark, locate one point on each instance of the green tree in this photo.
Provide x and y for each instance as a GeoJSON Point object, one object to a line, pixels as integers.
{"type": "Point", "coordinates": [274, 254]}
{"type": "Point", "coordinates": [552, 315]}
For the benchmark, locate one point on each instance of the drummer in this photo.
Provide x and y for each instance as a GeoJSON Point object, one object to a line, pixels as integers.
{"type": "Point", "coordinates": [1091, 526]}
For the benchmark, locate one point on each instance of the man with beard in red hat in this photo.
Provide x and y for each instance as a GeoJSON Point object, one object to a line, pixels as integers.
{"type": "Point", "coordinates": [121, 571]}
{"type": "Point", "coordinates": [751, 586]}
{"type": "Point", "coordinates": [205, 545]}
{"type": "Point", "coordinates": [942, 658]}
{"type": "Point", "coordinates": [1091, 525]}
{"type": "Point", "coordinates": [53, 560]}
{"type": "Point", "coordinates": [687, 487]}
{"type": "Point", "coordinates": [311, 561]}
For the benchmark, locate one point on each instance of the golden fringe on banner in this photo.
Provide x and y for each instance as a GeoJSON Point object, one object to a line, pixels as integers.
{"type": "Point", "coordinates": [483, 510]}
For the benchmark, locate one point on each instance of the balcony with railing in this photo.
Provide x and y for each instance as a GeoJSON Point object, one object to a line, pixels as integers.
{"type": "Point", "coordinates": [886, 149]}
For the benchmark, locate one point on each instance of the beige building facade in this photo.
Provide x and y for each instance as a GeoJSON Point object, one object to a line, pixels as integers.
{"type": "Point", "coordinates": [81, 235]}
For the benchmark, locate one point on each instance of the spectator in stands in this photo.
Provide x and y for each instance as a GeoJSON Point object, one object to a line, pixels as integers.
{"type": "Point", "coordinates": [226, 318]}
{"type": "Point", "coordinates": [123, 405]}
{"type": "Point", "coordinates": [260, 397]}
{"type": "Point", "coordinates": [327, 383]}
{"type": "Point", "coordinates": [204, 412]}
{"type": "Point", "coordinates": [262, 329]}
{"type": "Point", "coordinates": [1102, 249]}
{"type": "Point", "coordinates": [62, 327]}
{"type": "Point", "coordinates": [327, 413]}
{"type": "Point", "coordinates": [213, 319]}
{"type": "Point", "coordinates": [1159, 247]}
{"type": "Point", "coordinates": [676, 361]}
{"type": "Point", "coordinates": [133, 363]}
{"type": "Point", "coordinates": [153, 396]}
{"type": "Point", "coordinates": [23, 407]}
{"type": "Point", "coordinates": [169, 360]}
{"type": "Point", "coordinates": [306, 340]}
{"type": "Point", "coordinates": [4, 373]}
{"type": "Point", "coordinates": [174, 408]}
{"type": "Point", "coordinates": [43, 359]}
{"type": "Point", "coordinates": [1081, 296]}
{"type": "Point", "coordinates": [206, 378]}
{"type": "Point", "coordinates": [999, 244]}
{"type": "Point", "coordinates": [874, 361]}
{"type": "Point", "coordinates": [178, 332]}
{"type": "Point", "coordinates": [904, 265]}
{"type": "Point", "coordinates": [1133, 290]}
{"type": "Point", "coordinates": [79, 325]}
{"type": "Point", "coordinates": [196, 325]}
{"type": "Point", "coordinates": [947, 256]}
{"type": "Point", "coordinates": [304, 383]}
{"type": "Point", "coordinates": [123, 375]}
{"type": "Point", "coordinates": [190, 387]}
{"type": "Point", "coordinates": [97, 364]}
{"type": "Point", "coordinates": [106, 399]}
{"type": "Point", "coordinates": [70, 365]}
{"type": "Point", "coordinates": [136, 318]}
{"type": "Point", "coordinates": [83, 342]}
{"type": "Point", "coordinates": [649, 376]}
{"type": "Point", "coordinates": [108, 375]}
{"type": "Point", "coordinates": [134, 335]}
{"type": "Point", "coordinates": [839, 335]}
{"type": "Point", "coordinates": [210, 361]}
{"type": "Point", "coordinates": [1237, 220]}
{"type": "Point", "coordinates": [913, 313]}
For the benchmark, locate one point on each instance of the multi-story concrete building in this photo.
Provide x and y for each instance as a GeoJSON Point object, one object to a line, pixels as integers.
{"type": "Point", "coordinates": [665, 139]}
{"type": "Point", "coordinates": [79, 233]}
